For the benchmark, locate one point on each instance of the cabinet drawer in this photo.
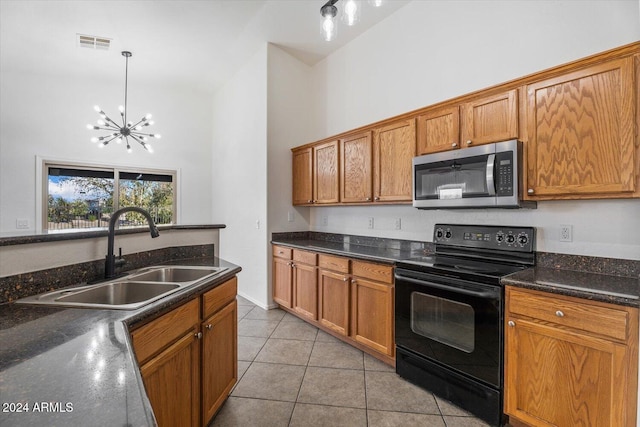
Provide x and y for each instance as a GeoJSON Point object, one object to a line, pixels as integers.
{"type": "Point", "coordinates": [159, 333]}
{"type": "Point", "coordinates": [368, 270]}
{"type": "Point", "coordinates": [304, 257]}
{"type": "Point", "coordinates": [334, 263]}
{"type": "Point", "coordinates": [598, 318]}
{"type": "Point", "coordinates": [219, 296]}
{"type": "Point", "coordinates": [281, 252]}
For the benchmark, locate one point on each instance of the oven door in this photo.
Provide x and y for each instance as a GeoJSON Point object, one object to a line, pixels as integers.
{"type": "Point", "coordinates": [453, 322]}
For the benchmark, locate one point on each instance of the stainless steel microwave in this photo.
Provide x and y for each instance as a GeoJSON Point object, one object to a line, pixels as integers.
{"type": "Point", "coordinates": [486, 176]}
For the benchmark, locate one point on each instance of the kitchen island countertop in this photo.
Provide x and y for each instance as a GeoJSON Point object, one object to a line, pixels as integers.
{"type": "Point", "coordinates": [76, 366]}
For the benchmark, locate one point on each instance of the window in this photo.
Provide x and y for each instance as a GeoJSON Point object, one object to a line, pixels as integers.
{"type": "Point", "coordinates": [80, 197]}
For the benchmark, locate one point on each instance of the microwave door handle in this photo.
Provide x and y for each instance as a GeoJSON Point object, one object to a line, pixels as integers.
{"type": "Point", "coordinates": [491, 185]}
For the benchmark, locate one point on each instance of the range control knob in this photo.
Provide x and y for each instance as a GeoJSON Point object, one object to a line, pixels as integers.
{"type": "Point", "coordinates": [447, 234]}
{"type": "Point", "coordinates": [523, 239]}
{"type": "Point", "coordinates": [510, 238]}
{"type": "Point", "coordinates": [499, 237]}
{"type": "Point", "coordinates": [439, 233]}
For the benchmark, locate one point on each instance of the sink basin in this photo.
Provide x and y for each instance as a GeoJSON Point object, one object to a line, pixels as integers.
{"type": "Point", "coordinates": [119, 293]}
{"type": "Point", "coordinates": [175, 274]}
{"type": "Point", "coordinates": [129, 293]}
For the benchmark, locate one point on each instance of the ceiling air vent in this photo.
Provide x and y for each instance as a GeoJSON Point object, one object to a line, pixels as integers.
{"type": "Point", "coordinates": [93, 42]}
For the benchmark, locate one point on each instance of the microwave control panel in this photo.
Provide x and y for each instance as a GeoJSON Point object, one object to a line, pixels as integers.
{"type": "Point", "coordinates": [505, 180]}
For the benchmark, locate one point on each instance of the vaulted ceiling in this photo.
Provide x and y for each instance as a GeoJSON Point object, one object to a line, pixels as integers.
{"type": "Point", "coordinates": [199, 42]}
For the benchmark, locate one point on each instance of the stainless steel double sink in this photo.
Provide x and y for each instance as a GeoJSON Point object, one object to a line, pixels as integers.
{"type": "Point", "coordinates": [130, 292]}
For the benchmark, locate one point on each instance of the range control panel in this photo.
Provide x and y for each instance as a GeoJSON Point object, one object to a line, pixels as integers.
{"type": "Point", "coordinates": [508, 238]}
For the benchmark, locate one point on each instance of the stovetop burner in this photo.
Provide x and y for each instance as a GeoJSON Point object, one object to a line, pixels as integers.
{"type": "Point", "coordinates": [483, 253]}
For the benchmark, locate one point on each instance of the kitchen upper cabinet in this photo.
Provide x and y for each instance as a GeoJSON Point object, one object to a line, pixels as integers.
{"type": "Point", "coordinates": [439, 130]}
{"type": "Point", "coordinates": [483, 120]}
{"type": "Point", "coordinates": [581, 133]}
{"type": "Point", "coordinates": [490, 119]}
{"type": "Point", "coordinates": [282, 276]}
{"type": "Point", "coordinates": [326, 179]}
{"type": "Point", "coordinates": [356, 176]}
{"type": "Point", "coordinates": [394, 147]}
{"type": "Point", "coordinates": [569, 361]}
{"type": "Point", "coordinates": [316, 174]}
{"type": "Point", "coordinates": [302, 165]}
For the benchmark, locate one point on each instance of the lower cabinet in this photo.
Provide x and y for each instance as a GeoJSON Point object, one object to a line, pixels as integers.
{"type": "Point", "coordinates": [351, 299]}
{"type": "Point", "coordinates": [334, 301]}
{"type": "Point", "coordinates": [569, 361]}
{"type": "Point", "coordinates": [188, 357]}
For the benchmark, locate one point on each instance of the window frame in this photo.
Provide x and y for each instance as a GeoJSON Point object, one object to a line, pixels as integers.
{"type": "Point", "coordinates": [43, 188]}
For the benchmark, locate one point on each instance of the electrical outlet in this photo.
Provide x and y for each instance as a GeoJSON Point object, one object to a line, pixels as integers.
{"type": "Point", "coordinates": [370, 225]}
{"type": "Point", "coordinates": [325, 220]}
{"type": "Point", "coordinates": [398, 223]}
{"type": "Point", "coordinates": [22, 223]}
{"type": "Point", "coordinates": [566, 233]}
{"type": "Point", "coordinates": [258, 224]}
{"type": "Point", "coordinates": [290, 216]}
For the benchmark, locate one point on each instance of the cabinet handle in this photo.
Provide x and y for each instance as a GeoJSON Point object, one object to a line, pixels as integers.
{"type": "Point", "coordinates": [345, 279]}
{"type": "Point", "coordinates": [469, 142]}
{"type": "Point", "coordinates": [559, 313]}
{"type": "Point", "coordinates": [309, 201]}
{"type": "Point", "coordinates": [368, 199]}
{"type": "Point", "coordinates": [511, 323]}
{"type": "Point", "coordinates": [199, 335]}
{"type": "Point", "coordinates": [376, 198]}
{"type": "Point", "coordinates": [209, 326]}
{"type": "Point", "coordinates": [530, 191]}
{"type": "Point", "coordinates": [354, 281]}
{"type": "Point", "coordinates": [454, 144]}
{"type": "Point", "coordinates": [293, 265]}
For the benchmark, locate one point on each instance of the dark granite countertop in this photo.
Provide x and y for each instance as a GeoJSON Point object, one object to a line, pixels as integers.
{"type": "Point", "coordinates": [25, 237]}
{"type": "Point", "coordinates": [365, 248]}
{"type": "Point", "coordinates": [596, 286]}
{"type": "Point", "coordinates": [79, 361]}
{"type": "Point", "coordinates": [592, 286]}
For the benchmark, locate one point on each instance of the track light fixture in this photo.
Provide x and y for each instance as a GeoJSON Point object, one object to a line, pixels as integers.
{"type": "Point", "coordinates": [127, 129]}
{"type": "Point", "coordinates": [350, 15]}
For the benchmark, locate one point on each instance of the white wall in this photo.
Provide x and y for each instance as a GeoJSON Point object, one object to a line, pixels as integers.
{"type": "Point", "coordinates": [430, 51]}
{"type": "Point", "coordinates": [239, 174]}
{"type": "Point", "coordinates": [46, 115]}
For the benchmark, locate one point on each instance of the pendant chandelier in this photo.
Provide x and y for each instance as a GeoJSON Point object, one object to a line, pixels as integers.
{"type": "Point", "coordinates": [126, 130]}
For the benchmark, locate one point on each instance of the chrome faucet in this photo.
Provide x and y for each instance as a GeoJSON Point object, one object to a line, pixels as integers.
{"type": "Point", "coordinates": [110, 263]}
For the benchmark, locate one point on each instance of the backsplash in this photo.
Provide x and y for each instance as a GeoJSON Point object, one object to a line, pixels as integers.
{"type": "Point", "coordinates": [32, 283]}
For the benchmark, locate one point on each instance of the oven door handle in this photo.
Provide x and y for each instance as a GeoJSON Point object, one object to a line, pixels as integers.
{"type": "Point", "coordinates": [478, 294]}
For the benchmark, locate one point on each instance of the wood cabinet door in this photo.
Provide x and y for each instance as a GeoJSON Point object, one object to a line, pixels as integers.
{"type": "Point", "coordinates": [580, 130]}
{"type": "Point", "coordinates": [282, 282]}
{"type": "Point", "coordinates": [305, 284]}
{"type": "Point", "coordinates": [326, 180]}
{"type": "Point", "coordinates": [394, 147]}
{"type": "Point", "coordinates": [490, 119]}
{"type": "Point", "coordinates": [219, 359]}
{"type": "Point", "coordinates": [560, 378]}
{"type": "Point", "coordinates": [438, 130]}
{"type": "Point", "coordinates": [356, 178]}
{"type": "Point", "coordinates": [334, 301]}
{"type": "Point", "coordinates": [372, 314]}
{"type": "Point", "coordinates": [302, 166]}
{"type": "Point", "coordinates": [172, 382]}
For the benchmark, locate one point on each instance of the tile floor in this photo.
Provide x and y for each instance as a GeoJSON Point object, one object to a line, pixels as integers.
{"type": "Point", "coordinates": [292, 374]}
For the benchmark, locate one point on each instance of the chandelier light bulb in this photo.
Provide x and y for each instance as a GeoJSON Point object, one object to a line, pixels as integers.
{"type": "Point", "coordinates": [119, 140]}
{"type": "Point", "coordinates": [121, 108]}
{"type": "Point", "coordinates": [95, 107]}
{"type": "Point", "coordinates": [101, 123]}
{"type": "Point", "coordinates": [94, 139]}
{"type": "Point", "coordinates": [149, 148]}
{"type": "Point", "coordinates": [148, 116]}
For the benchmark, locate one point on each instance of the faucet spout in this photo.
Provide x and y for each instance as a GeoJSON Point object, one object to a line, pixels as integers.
{"type": "Point", "coordinates": [110, 263]}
